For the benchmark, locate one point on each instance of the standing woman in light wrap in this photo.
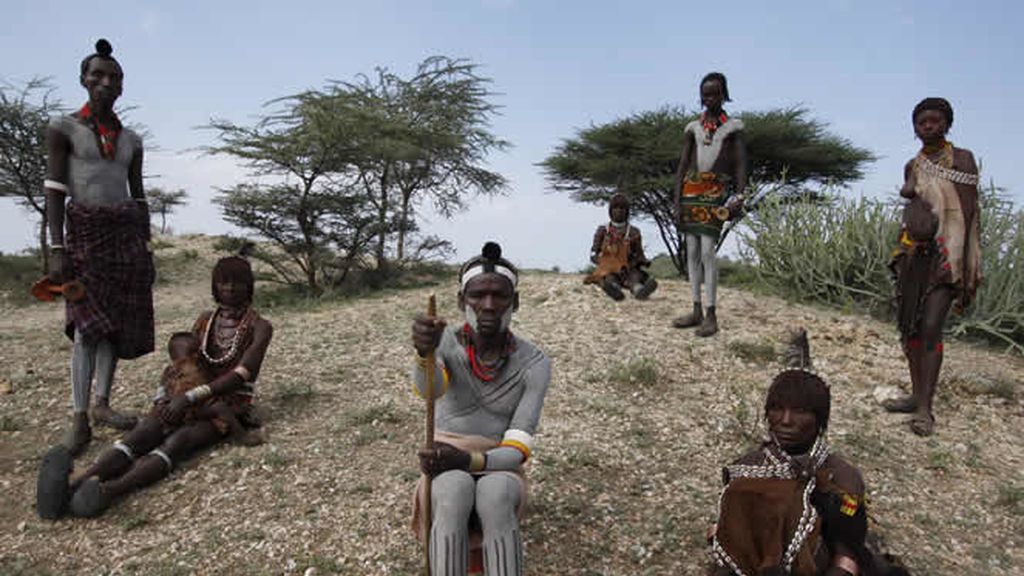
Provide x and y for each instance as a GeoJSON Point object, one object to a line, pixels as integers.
{"type": "Point", "coordinates": [937, 263]}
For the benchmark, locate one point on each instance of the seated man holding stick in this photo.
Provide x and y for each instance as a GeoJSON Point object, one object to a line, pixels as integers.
{"type": "Point", "coordinates": [490, 391]}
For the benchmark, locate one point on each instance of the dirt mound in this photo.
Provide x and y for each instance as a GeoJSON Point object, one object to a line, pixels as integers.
{"type": "Point", "coordinates": [638, 422]}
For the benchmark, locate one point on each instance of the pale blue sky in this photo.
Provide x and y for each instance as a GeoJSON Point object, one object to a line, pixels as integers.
{"type": "Point", "coordinates": [559, 66]}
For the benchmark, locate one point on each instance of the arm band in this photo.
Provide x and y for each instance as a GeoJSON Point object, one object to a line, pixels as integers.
{"type": "Point", "coordinates": [55, 186]}
{"type": "Point", "coordinates": [519, 440]}
{"type": "Point", "coordinates": [477, 461]}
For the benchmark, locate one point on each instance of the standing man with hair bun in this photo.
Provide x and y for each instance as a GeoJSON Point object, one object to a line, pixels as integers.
{"type": "Point", "coordinates": [94, 187]}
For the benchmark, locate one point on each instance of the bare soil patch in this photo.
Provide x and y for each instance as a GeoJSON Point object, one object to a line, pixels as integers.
{"type": "Point", "coordinates": [637, 424]}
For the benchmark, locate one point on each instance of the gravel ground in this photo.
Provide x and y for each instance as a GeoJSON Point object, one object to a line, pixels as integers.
{"type": "Point", "coordinates": [637, 424]}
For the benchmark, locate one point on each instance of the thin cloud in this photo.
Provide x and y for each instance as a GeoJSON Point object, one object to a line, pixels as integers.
{"type": "Point", "coordinates": [150, 23]}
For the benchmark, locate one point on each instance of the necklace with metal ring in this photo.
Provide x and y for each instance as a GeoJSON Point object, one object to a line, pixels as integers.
{"type": "Point", "coordinates": [240, 330]}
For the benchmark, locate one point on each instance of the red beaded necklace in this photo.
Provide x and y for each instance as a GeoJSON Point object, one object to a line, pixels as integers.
{"type": "Point", "coordinates": [484, 373]}
{"type": "Point", "coordinates": [712, 124]}
{"type": "Point", "coordinates": [106, 136]}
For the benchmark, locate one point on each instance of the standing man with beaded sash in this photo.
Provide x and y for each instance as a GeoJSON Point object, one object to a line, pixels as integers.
{"type": "Point", "coordinates": [938, 260]}
{"type": "Point", "coordinates": [618, 252]}
{"type": "Point", "coordinates": [792, 506]}
{"type": "Point", "coordinates": [491, 388]}
{"type": "Point", "coordinates": [710, 183]}
{"type": "Point", "coordinates": [233, 343]}
{"type": "Point", "coordinates": [95, 162]}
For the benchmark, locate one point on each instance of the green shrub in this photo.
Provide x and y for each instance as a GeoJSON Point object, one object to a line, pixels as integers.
{"type": "Point", "coordinates": [833, 251]}
{"type": "Point", "coordinates": [761, 352]}
{"type": "Point", "coordinates": [1011, 496]}
{"type": "Point", "coordinates": [635, 371]}
{"type": "Point", "coordinates": [171, 267]}
{"type": "Point", "coordinates": [836, 251]}
{"type": "Point", "coordinates": [661, 267]}
{"type": "Point", "coordinates": [998, 310]}
{"type": "Point", "coordinates": [17, 273]}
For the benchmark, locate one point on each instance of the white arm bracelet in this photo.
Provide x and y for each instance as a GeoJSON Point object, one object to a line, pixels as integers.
{"type": "Point", "coordinates": [54, 185]}
{"type": "Point", "coordinates": [198, 393]}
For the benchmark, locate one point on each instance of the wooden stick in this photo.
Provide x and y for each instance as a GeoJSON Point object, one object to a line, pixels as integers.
{"type": "Point", "coordinates": [430, 363]}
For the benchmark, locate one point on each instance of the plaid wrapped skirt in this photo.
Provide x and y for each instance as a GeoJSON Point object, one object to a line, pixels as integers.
{"type": "Point", "coordinates": [106, 247]}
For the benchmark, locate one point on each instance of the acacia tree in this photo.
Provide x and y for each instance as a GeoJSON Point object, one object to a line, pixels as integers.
{"type": "Point", "coordinates": [24, 115]}
{"type": "Point", "coordinates": [163, 202]}
{"type": "Point", "coordinates": [321, 224]}
{"type": "Point", "coordinates": [638, 157]}
{"type": "Point", "coordinates": [425, 138]}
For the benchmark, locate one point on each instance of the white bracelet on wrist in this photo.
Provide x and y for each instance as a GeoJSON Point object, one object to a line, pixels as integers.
{"type": "Point", "coordinates": [198, 393]}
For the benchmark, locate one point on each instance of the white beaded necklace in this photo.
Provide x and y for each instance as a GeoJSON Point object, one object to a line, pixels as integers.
{"type": "Point", "coordinates": [935, 169]}
{"type": "Point", "coordinates": [236, 340]}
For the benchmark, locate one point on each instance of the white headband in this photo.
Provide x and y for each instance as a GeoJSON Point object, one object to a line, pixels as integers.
{"type": "Point", "coordinates": [478, 269]}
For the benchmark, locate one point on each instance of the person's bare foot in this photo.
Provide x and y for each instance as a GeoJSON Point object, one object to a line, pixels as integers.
{"type": "Point", "coordinates": [709, 327]}
{"type": "Point", "coordinates": [612, 289]}
{"type": "Point", "coordinates": [922, 424]}
{"type": "Point", "coordinates": [643, 291]}
{"type": "Point", "coordinates": [89, 500]}
{"type": "Point", "coordinates": [692, 319]}
{"type": "Point", "coordinates": [902, 405]}
{"type": "Point", "coordinates": [104, 415]}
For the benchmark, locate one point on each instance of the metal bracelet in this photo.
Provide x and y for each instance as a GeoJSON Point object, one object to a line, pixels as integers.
{"type": "Point", "coordinates": [198, 393]}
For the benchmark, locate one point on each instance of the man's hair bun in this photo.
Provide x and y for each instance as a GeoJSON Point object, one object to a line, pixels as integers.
{"type": "Point", "coordinates": [103, 48]}
{"type": "Point", "coordinates": [491, 251]}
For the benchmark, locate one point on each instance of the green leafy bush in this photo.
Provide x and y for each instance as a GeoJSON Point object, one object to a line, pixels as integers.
{"type": "Point", "coordinates": [17, 273]}
{"type": "Point", "coordinates": [832, 250]}
{"type": "Point", "coordinates": [836, 251]}
{"type": "Point", "coordinates": [998, 310]}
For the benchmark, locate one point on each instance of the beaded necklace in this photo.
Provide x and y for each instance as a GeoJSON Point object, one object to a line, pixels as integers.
{"type": "Point", "coordinates": [711, 125]}
{"type": "Point", "coordinates": [241, 331]}
{"type": "Point", "coordinates": [617, 233]}
{"type": "Point", "coordinates": [106, 136]}
{"type": "Point", "coordinates": [942, 152]}
{"type": "Point", "coordinates": [479, 369]}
